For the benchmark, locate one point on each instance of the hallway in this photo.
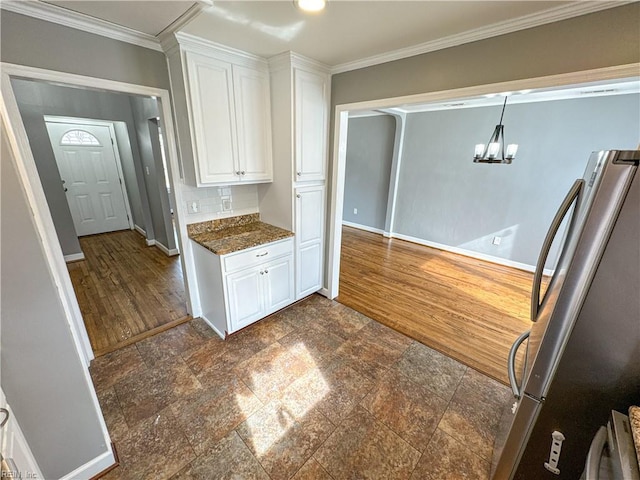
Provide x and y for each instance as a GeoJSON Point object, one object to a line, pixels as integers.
{"type": "Point", "coordinates": [126, 290]}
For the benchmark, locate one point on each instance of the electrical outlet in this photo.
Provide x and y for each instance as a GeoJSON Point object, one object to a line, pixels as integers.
{"type": "Point", "coordinates": [226, 203]}
{"type": "Point", "coordinates": [193, 206]}
{"type": "Point", "coordinates": [147, 170]}
{"type": "Point", "coordinates": [355, 211]}
{"type": "Point", "coordinates": [497, 240]}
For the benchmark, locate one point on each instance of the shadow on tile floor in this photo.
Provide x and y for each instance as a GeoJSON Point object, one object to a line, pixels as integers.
{"type": "Point", "coordinates": [316, 391]}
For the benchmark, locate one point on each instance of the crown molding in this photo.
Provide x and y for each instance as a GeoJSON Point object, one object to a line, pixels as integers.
{"type": "Point", "coordinates": [69, 18]}
{"type": "Point", "coordinates": [555, 14]}
{"type": "Point", "coordinates": [207, 47]}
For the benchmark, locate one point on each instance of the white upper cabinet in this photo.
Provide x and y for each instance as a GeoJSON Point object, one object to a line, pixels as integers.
{"type": "Point", "coordinates": [225, 96]}
{"type": "Point", "coordinates": [310, 124]}
{"type": "Point", "coordinates": [214, 118]}
{"type": "Point", "coordinates": [253, 117]}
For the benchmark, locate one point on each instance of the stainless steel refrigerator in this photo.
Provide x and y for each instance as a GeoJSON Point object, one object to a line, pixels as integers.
{"type": "Point", "coordinates": [583, 350]}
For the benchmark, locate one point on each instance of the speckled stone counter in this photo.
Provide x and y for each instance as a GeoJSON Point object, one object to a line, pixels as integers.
{"type": "Point", "coordinates": [634, 420]}
{"type": "Point", "coordinates": [228, 235]}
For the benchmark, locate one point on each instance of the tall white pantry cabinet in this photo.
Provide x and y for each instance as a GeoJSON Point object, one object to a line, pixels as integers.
{"type": "Point", "coordinates": [296, 199]}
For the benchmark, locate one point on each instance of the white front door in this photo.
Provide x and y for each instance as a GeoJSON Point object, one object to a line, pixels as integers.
{"type": "Point", "coordinates": [91, 177]}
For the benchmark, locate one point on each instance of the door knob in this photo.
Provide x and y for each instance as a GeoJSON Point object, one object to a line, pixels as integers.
{"type": "Point", "coordinates": [66, 189]}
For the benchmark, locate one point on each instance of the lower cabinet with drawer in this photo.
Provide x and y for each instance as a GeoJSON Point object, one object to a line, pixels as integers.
{"type": "Point", "coordinates": [242, 287]}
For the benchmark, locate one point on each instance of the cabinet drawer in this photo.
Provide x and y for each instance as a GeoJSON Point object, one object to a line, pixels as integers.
{"type": "Point", "coordinates": [255, 256]}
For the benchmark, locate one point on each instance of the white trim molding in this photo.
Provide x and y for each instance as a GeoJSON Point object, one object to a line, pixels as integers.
{"type": "Point", "coordinates": [72, 19]}
{"type": "Point", "coordinates": [341, 122]}
{"type": "Point", "coordinates": [94, 467]}
{"type": "Point", "coordinates": [169, 252]}
{"type": "Point", "coordinates": [74, 257]}
{"type": "Point", "coordinates": [69, 18]}
{"type": "Point", "coordinates": [556, 14]}
{"type": "Point", "coordinates": [140, 230]}
{"type": "Point", "coordinates": [366, 228]}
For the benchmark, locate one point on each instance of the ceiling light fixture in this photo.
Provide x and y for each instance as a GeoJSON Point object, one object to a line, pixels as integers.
{"type": "Point", "coordinates": [489, 153]}
{"type": "Point", "coordinates": [311, 5]}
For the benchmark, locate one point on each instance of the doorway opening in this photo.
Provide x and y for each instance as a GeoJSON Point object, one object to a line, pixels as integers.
{"type": "Point", "coordinates": [444, 252]}
{"type": "Point", "coordinates": [106, 179]}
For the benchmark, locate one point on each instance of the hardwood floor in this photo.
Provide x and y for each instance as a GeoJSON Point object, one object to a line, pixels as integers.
{"type": "Point", "coordinates": [468, 309]}
{"type": "Point", "coordinates": [126, 290]}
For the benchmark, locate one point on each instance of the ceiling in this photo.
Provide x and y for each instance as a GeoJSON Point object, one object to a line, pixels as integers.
{"type": "Point", "coordinates": [347, 34]}
{"type": "Point", "coordinates": [349, 30]}
{"type": "Point", "coordinates": [150, 17]}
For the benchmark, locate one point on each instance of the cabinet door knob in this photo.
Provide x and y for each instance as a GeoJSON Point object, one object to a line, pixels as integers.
{"type": "Point", "coordinates": [266, 271]}
{"type": "Point", "coordinates": [299, 174]}
{"type": "Point", "coordinates": [261, 273]}
{"type": "Point", "coordinates": [298, 195]}
{"type": "Point", "coordinates": [238, 172]}
{"type": "Point", "coordinates": [242, 172]}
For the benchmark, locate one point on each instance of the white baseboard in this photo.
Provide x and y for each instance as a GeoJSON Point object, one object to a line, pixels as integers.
{"type": "Point", "coordinates": [74, 257]}
{"type": "Point", "coordinates": [366, 228]}
{"type": "Point", "coordinates": [150, 243]}
{"type": "Point", "coordinates": [218, 332]}
{"type": "Point", "coordinates": [140, 230]}
{"type": "Point", "coordinates": [471, 254]}
{"type": "Point", "coordinates": [170, 252]}
{"type": "Point", "coordinates": [324, 292]}
{"type": "Point", "coordinates": [93, 467]}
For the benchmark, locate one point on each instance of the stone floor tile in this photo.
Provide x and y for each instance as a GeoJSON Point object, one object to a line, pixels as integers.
{"type": "Point", "coordinates": [318, 341]}
{"type": "Point", "coordinates": [229, 459]}
{"type": "Point", "coordinates": [409, 409]}
{"type": "Point", "coordinates": [341, 320]}
{"type": "Point", "coordinates": [155, 449]}
{"type": "Point", "coordinates": [281, 442]}
{"type": "Point", "coordinates": [209, 415]}
{"type": "Point", "coordinates": [112, 413]}
{"type": "Point", "coordinates": [369, 356]}
{"type": "Point", "coordinates": [473, 414]}
{"type": "Point", "coordinates": [143, 395]}
{"type": "Point", "coordinates": [431, 369]}
{"type": "Point", "coordinates": [273, 369]}
{"type": "Point", "coordinates": [363, 448]}
{"type": "Point", "coordinates": [312, 470]}
{"type": "Point", "coordinates": [203, 328]}
{"type": "Point", "coordinates": [334, 390]}
{"type": "Point", "coordinates": [446, 458]}
{"type": "Point", "coordinates": [108, 369]}
{"type": "Point", "coordinates": [166, 345]}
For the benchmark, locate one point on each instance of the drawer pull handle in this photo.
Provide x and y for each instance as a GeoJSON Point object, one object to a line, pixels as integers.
{"type": "Point", "coordinates": [262, 254]}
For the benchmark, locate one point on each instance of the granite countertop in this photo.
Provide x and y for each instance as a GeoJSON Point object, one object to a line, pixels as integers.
{"type": "Point", "coordinates": [233, 234]}
{"type": "Point", "coordinates": [634, 420]}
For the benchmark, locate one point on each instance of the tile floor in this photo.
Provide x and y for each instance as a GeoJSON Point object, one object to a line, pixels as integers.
{"type": "Point", "coordinates": [316, 391]}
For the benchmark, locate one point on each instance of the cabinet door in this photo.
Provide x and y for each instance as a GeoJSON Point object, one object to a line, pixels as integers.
{"type": "Point", "coordinates": [310, 99]}
{"type": "Point", "coordinates": [309, 239]}
{"type": "Point", "coordinates": [213, 118]}
{"type": "Point", "coordinates": [278, 284]}
{"type": "Point", "coordinates": [245, 297]}
{"type": "Point", "coordinates": [253, 117]}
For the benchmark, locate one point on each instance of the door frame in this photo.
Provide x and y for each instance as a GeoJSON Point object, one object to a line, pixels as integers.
{"type": "Point", "coordinates": [26, 167]}
{"type": "Point", "coordinates": [340, 131]}
{"type": "Point", "coordinates": [114, 146]}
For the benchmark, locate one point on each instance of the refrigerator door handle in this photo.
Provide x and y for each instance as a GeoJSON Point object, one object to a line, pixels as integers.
{"type": "Point", "coordinates": [572, 196]}
{"type": "Point", "coordinates": [511, 364]}
{"type": "Point", "coordinates": [592, 465]}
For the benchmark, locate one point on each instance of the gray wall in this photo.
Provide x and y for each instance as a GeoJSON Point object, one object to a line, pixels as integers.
{"type": "Point", "coordinates": [36, 99]}
{"type": "Point", "coordinates": [42, 375]}
{"type": "Point", "coordinates": [37, 43]}
{"type": "Point", "coordinates": [145, 111]}
{"type": "Point", "coordinates": [370, 142]}
{"type": "Point", "coordinates": [446, 198]}
{"type": "Point", "coordinates": [602, 39]}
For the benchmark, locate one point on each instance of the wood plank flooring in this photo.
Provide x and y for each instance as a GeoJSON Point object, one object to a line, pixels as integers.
{"type": "Point", "coordinates": [126, 290]}
{"type": "Point", "coordinates": [468, 309]}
